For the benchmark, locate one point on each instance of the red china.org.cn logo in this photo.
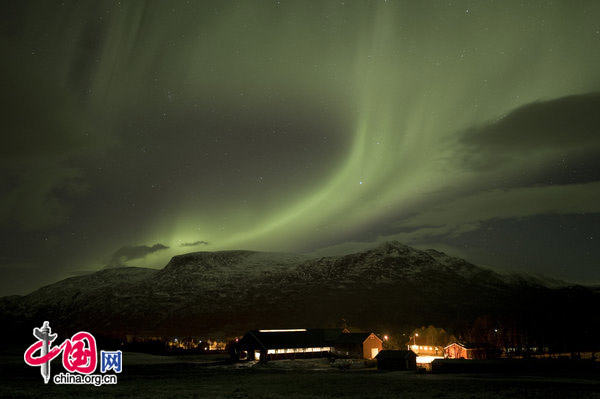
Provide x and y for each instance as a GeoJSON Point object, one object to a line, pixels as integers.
{"type": "Point", "coordinates": [79, 358]}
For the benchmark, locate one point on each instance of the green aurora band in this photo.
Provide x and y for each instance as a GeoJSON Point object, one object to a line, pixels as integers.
{"type": "Point", "coordinates": [292, 125]}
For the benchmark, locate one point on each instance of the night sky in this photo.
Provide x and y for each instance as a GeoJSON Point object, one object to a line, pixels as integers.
{"type": "Point", "coordinates": [135, 131]}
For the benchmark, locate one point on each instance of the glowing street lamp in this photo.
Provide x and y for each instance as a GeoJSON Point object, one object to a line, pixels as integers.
{"type": "Point", "coordinates": [415, 339]}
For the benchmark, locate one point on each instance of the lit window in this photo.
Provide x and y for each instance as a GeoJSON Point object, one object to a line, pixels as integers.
{"type": "Point", "coordinates": [270, 351]}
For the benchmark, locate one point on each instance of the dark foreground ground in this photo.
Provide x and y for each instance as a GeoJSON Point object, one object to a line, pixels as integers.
{"type": "Point", "coordinates": [163, 377]}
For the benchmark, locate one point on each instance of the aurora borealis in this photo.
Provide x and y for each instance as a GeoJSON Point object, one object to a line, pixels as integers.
{"type": "Point", "coordinates": [135, 131]}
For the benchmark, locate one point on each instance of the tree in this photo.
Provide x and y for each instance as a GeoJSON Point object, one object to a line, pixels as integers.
{"type": "Point", "coordinates": [431, 336]}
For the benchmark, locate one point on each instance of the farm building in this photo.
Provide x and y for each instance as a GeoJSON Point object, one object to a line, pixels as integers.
{"type": "Point", "coordinates": [396, 360]}
{"type": "Point", "coordinates": [466, 351]}
{"type": "Point", "coordinates": [285, 343]}
{"type": "Point", "coordinates": [357, 345]}
{"type": "Point", "coordinates": [302, 343]}
{"type": "Point", "coordinates": [427, 350]}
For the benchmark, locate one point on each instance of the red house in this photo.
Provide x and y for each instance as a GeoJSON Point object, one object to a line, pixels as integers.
{"type": "Point", "coordinates": [465, 351]}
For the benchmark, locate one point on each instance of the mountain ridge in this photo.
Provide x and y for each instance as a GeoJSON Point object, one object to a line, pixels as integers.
{"type": "Point", "coordinates": [225, 293]}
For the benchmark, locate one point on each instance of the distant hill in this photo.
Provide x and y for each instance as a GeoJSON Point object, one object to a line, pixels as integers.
{"type": "Point", "coordinates": [392, 287]}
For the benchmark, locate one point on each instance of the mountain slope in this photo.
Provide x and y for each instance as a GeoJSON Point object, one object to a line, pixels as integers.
{"type": "Point", "coordinates": [225, 293]}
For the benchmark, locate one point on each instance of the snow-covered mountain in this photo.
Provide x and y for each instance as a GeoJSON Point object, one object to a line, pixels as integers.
{"type": "Point", "coordinates": [228, 292]}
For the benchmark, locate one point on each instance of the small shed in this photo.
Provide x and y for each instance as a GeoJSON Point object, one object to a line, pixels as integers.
{"type": "Point", "coordinates": [358, 345]}
{"type": "Point", "coordinates": [466, 351]}
{"type": "Point", "coordinates": [396, 360]}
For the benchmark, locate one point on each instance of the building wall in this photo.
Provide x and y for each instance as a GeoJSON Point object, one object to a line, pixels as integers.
{"type": "Point", "coordinates": [249, 348]}
{"type": "Point", "coordinates": [372, 342]}
{"type": "Point", "coordinates": [349, 350]}
{"type": "Point", "coordinates": [298, 355]}
{"type": "Point", "coordinates": [397, 364]}
{"type": "Point", "coordinates": [426, 350]}
{"type": "Point", "coordinates": [455, 351]}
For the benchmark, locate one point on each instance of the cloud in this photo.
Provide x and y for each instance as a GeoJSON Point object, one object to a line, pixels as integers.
{"type": "Point", "coordinates": [449, 218]}
{"type": "Point", "coordinates": [36, 200]}
{"type": "Point", "coordinates": [548, 140]}
{"type": "Point", "coordinates": [464, 214]}
{"type": "Point", "coordinates": [129, 252]}
{"type": "Point", "coordinates": [193, 244]}
{"type": "Point", "coordinates": [539, 159]}
{"type": "Point", "coordinates": [46, 129]}
{"type": "Point", "coordinates": [565, 122]}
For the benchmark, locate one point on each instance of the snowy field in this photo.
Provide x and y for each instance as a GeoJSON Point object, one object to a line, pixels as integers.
{"type": "Point", "coordinates": [164, 377]}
